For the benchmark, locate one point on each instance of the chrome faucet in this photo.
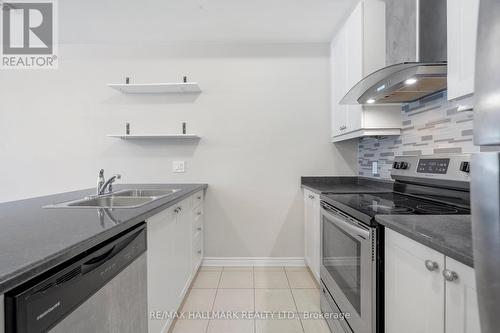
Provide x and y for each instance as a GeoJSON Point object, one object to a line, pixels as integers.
{"type": "Point", "coordinates": [102, 184]}
{"type": "Point", "coordinates": [100, 181]}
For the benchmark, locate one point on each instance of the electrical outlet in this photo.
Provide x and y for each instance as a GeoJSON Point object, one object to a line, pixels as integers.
{"type": "Point", "coordinates": [374, 167]}
{"type": "Point", "coordinates": [178, 166]}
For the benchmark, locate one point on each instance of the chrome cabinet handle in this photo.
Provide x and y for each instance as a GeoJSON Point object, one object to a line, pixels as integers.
{"type": "Point", "coordinates": [199, 251]}
{"type": "Point", "coordinates": [311, 196]}
{"type": "Point", "coordinates": [431, 265]}
{"type": "Point", "coordinates": [178, 209]}
{"type": "Point", "coordinates": [199, 213]}
{"type": "Point", "coordinates": [199, 197]}
{"type": "Point", "coordinates": [450, 275]}
{"type": "Point", "coordinates": [199, 228]}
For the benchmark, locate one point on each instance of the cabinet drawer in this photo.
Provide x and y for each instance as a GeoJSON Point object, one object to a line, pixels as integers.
{"type": "Point", "coordinates": [197, 241]}
{"type": "Point", "coordinates": [197, 230]}
{"type": "Point", "coordinates": [198, 246]}
{"type": "Point", "coordinates": [182, 206]}
{"type": "Point", "coordinates": [198, 213]}
{"type": "Point", "coordinates": [198, 199]}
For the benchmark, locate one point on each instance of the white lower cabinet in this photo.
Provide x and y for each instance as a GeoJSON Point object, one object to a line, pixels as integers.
{"type": "Point", "coordinates": [419, 298]}
{"type": "Point", "coordinates": [163, 289]}
{"type": "Point", "coordinates": [197, 241]}
{"type": "Point", "coordinates": [174, 255]}
{"type": "Point", "coordinates": [312, 232]}
{"type": "Point", "coordinates": [414, 296]}
{"type": "Point", "coordinates": [462, 311]}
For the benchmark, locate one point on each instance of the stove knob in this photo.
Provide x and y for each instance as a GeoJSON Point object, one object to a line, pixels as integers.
{"type": "Point", "coordinates": [404, 165]}
{"type": "Point", "coordinates": [465, 167]}
{"type": "Point", "coordinates": [396, 165]}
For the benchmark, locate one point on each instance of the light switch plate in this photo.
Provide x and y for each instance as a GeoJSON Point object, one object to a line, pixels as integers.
{"type": "Point", "coordinates": [374, 167]}
{"type": "Point", "coordinates": [178, 166]}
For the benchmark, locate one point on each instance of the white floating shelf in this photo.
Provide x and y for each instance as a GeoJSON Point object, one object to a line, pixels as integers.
{"type": "Point", "coordinates": [153, 136]}
{"type": "Point", "coordinates": [156, 88]}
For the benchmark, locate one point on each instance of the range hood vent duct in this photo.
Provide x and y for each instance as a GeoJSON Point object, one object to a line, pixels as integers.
{"type": "Point", "coordinates": [425, 74]}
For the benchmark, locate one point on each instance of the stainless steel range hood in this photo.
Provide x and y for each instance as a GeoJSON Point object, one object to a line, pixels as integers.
{"type": "Point", "coordinates": [426, 73]}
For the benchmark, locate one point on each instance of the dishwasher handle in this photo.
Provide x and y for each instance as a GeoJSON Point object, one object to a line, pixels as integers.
{"type": "Point", "coordinates": [108, 254]}
{"type": "Point", "coordinates": [97, 261]}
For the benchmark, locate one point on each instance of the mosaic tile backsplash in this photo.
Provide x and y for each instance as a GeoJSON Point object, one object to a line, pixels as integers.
{"type": "Point", "coordinates": [430, 126]}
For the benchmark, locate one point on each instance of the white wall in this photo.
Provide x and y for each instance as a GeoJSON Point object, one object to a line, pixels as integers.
{"type": "Point", "coordinates": [263, 116]}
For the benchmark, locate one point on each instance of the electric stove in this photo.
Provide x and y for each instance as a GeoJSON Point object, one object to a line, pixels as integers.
{"type": "Point", "coordinates": [352, 256]}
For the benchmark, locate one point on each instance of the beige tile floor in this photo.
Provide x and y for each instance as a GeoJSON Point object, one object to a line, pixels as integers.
{"type": "Point", "coordinates": [252, 289]}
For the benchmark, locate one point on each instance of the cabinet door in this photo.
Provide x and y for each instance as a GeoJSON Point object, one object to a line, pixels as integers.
{"type": "Point", "coordinates": [162, 287]}
{"type": "Point", "coordinates": [312, 225]}
{"type": "Point", "coordinates": [354, 65]}
{"type": "Point", "coordinates": [338, 68]}
{"type": "Point", "coordinates": [346, 71]}
{"type": "Point", "coordinates": [414, 295]}
{"type": "Point", "coordinates": [316, 236]}
{"type": "Point", "coordinates": [182, 247]}
{"type": "Point", "coordinates": [462, 18]}
{"type": "Point", "coordinates": [308, 217]}
{"type": "Point", "coordinates": [462, 312]}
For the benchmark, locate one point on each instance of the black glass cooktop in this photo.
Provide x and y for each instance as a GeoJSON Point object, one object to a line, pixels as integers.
{"type": "Point", "coordinates": [394, 204]}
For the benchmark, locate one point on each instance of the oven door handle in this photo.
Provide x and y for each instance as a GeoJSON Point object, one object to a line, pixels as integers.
{"type": "Point", "coordinates": [344, 225]}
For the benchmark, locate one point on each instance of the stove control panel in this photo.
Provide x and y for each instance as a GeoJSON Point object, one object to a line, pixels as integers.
{"type": "Point", "coordinates": [433, 165]}
{"type": "Point", "coordinates": [447, 167]}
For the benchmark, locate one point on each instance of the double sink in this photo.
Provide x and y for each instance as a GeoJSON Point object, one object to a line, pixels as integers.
{"type": "Point", "coordinates": [129, 198]}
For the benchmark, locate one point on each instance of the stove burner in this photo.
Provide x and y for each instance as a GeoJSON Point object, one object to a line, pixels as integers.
{"type": "Point", "coordinates": [438, 210]}
{"type": "Point", "coordinates": [402, 209]}
{"type": "Point", "coordinates": [389, 209]}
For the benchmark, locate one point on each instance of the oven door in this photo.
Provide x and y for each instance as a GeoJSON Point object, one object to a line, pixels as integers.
{"type": "Point", "coordinates": [348, 267]}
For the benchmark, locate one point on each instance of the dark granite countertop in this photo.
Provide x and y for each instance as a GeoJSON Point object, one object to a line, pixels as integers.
{"type": "Point", "coordinates": [34, 239]}
{"type": "Point", "coordinates": [346, 185]}
{"type": "Point", "coordinates": [448, 234]}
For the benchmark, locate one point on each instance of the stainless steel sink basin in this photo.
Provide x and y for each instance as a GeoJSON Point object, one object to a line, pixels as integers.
{"type": "Point", "coordinates": [129, 198]}
{"type": "Point", "coordinates": [144, 193]}
{"type": "Point", "coordinates": [112, 201]}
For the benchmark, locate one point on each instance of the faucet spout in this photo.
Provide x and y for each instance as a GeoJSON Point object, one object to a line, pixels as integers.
{"type": "Point", "coordinates": [108, 184]}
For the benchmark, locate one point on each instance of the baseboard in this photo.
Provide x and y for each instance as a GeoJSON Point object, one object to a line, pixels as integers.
{"type": "Point", "coordinates": [254, 261]}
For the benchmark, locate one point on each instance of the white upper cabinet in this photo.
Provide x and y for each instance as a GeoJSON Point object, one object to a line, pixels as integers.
{"type": "Point", "coordinates": [357, 50]}
{"type": "Point", "coordinates": [338, 68]}
{"type": "Point", "coordinates": [462, 20]}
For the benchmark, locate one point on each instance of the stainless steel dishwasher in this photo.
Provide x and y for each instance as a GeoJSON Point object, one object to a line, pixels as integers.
{"type": "Point", "coordinates": [101, 290]}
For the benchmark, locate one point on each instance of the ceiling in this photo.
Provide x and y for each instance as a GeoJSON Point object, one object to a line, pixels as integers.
{"type": "Point", "coordinates": [205, 21]}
